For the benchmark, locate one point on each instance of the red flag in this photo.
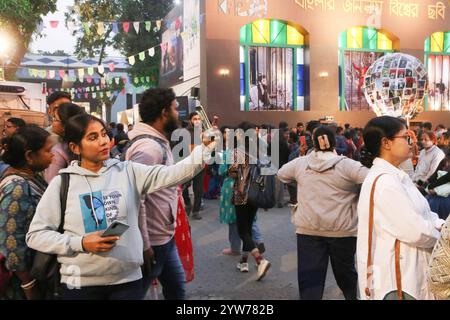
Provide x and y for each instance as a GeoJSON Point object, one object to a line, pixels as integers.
{"type": "Point", "coordinates": [54, 24]}
{"type": "Point", "coordinates": [111, 66]}
{"type": "Point", "coordinates": [89, 79]}
{"type": "Point", "coordinates": [126, 26]}
{"type": "Point", "coordinates": [124, 80]}
{"type": "Point", "coordinates": [62, 73]}
{"type": "Point", "coordinates": [86, 95]}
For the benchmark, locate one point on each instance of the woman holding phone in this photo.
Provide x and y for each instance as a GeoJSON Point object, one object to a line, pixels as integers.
{"type": "Point", "coordinates": [101, 190]}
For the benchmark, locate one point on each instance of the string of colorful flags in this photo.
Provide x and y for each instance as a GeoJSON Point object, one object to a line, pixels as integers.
{"type": "Point", "coordinates": [62, 75]}
{"type": "Point", "coordinates": [98, 94]}
{"type": "Point", "coordinates": [102, 26]}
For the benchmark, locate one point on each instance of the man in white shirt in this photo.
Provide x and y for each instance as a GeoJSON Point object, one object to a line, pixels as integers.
{"type": "Point", "coordinates": [429, 158]}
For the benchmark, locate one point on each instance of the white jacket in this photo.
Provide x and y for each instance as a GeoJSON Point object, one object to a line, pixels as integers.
{"type": "Point", "coordinates": [400, 212]}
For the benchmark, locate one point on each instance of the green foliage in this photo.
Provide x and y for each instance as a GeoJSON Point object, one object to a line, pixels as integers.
{"type": "Point", "coordinates": [90, 43]}
{"type": "Point", "coordinates": [20, 19]}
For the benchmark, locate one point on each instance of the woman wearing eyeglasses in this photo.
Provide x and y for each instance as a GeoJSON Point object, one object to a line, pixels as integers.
{"type": "Point", "coordinates": [395, 256]}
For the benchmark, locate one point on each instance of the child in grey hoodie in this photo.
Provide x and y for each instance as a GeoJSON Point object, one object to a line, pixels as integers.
{"type": "Point", "coordinates": [101, 190]}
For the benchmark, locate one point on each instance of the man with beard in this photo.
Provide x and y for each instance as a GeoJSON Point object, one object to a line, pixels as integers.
{"type": "Point", "coordinates": [150, 145]}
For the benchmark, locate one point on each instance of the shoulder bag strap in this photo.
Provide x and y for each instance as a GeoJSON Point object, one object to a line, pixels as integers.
{"type": "Point", "coordinates": [65, 178]}
{"type": "Point", "coordinates": [369, 249]}
{"type": "Point", "coordinates": [398, 274]}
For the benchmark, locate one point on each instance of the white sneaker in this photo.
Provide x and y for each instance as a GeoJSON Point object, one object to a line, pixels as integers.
{"type": "Point", "coordinates": [242, 266]}
{"type": "Point", "coordinates": [264, 265]}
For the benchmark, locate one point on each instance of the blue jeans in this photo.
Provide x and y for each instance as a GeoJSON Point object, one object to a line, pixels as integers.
{"type": "Point", "coordinates": [125, 291]}
{"type": "Point", "coordinates": [235, 240]}
{"type": "Point", "coordinates": [169, 272]}
{"type": "Point", "coordinates": [313, 253]}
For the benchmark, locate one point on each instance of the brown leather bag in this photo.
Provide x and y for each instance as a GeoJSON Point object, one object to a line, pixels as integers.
{"type": "Point", "coordinates": [393, 295]}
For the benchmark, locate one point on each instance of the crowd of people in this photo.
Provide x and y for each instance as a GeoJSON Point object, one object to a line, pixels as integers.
{"type": "Point", "coordinates": [383, 189]}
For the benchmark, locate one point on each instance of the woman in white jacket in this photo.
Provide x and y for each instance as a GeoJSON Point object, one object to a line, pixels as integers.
{"type": "Point", "coordinates": [401, 215]}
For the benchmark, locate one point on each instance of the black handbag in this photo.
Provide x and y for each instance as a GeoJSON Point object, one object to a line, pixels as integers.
{"type": "Point", "coordinates": [261, 188]}
{"type": "Point", "coordinates": [46, 267]}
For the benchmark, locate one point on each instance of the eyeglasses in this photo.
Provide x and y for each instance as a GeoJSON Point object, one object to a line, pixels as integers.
{"type": "Point", "coordinates": [406, 137]}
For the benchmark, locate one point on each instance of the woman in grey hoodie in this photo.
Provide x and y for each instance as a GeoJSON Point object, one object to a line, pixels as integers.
{"type": "Point", "coordinates": [101, 190]}
{"type": "Point", "coordinates": [325, 216]}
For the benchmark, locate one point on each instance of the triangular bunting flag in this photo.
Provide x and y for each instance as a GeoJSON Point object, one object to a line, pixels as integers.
{"type": "Point", "coordinates": [124, 80]}
{"type": "Point", "coordinates": [100, 28]}
{"type": "Point", "coordinates": [97, 88]}
{"type": "Point", "coordinates": [151, 52]}
{"type": "Point", "coordinates": [51, 74]}
{"type": "Point", "coordinates": [117, 80]}
{"type": "Point", "coordinates": [86, 95]}
{"type": "Point", "coordinates": [103, 81]}
{"type": "Point", "coordinates": [148, 26]}
{"type": "Point", "coordinates": [42, 74]}
{"type": "Point", "coordinates": [111, 66]}
{"type": "Point", "coordinates": [158, 24]}
{"type": "Point", "coordinates": [126, 26]}
{"type": "Point", "coordinates": [62, 73]}
{"type": "Point", "coordinates": [89, 79]}
{"type": "Point", "coordinates": [70, 25]}
{"type": "Point", "coordinates": [123, 91]}
{"type": "Point", "coordinates": [91, 71]}
{"type": "Point", "coordinates": [108, 94]}
{"type": "Point", "coordinates": [136, 26]}
{"type": "Point", "coordinates": [115, 28]}
{"type": "Point", "coordinates": [101, 94]}
{"type": "Point", "coordinates": [40, 27]}
{"type": "Point", "coordinates": [54, 24]}
{"type": "Point", "coordinates": [94, 95]}
{"type": "Point", "coordinates": [96, 80]}
{"type": "Point", "coordinates": [142, 55]}
{"type": "Point", "coordinates": [87, 28]}
{"type": "Point", "coordinates": [147, 79]}
{"type": "Point", "coordinates": [131, 60]}
{"type": "Point", "coordinates": [101, 68]}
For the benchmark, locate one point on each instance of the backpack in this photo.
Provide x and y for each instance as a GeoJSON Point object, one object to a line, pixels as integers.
{"type": "Point", "coordinates": [144, 136]}
{"type": "Point", "coordinates": [46, 267]}
{"type": "Point", "coordinates": [439, 267]}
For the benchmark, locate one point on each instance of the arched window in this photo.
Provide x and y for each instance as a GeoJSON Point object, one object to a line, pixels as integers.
{"type": "Point", "coordinates": [437, 62]}
{"type": "Point", "coordinates": [272, 75]}
{"type": "Point", "coordinates": [359, 47]}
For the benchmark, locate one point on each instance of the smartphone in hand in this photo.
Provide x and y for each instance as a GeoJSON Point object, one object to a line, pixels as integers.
{"type": "Point", "coordinates": [116, 228]}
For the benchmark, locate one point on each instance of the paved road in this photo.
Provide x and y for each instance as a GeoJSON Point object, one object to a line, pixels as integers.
{"type": "Point", "coordinates": [216, 276]}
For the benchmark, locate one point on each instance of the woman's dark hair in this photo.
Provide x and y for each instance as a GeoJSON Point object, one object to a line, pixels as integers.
{"type": "Point", "coordinates": [58, 95]}
{"type": "Point", "coordinates": [153, 102]}
{"type": "Point", "coordinates": [29, 137]}
{"type": "Point", "coordinates": [76, 127]}
{"type": "Point", "coordinates": [374, 131]}
{"type": "Point", "coordinates": [330, 136]}
{"type": "Point", "coordinates": [67, 110]}
{"type": "Point", "coordinates": [17, 122]}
